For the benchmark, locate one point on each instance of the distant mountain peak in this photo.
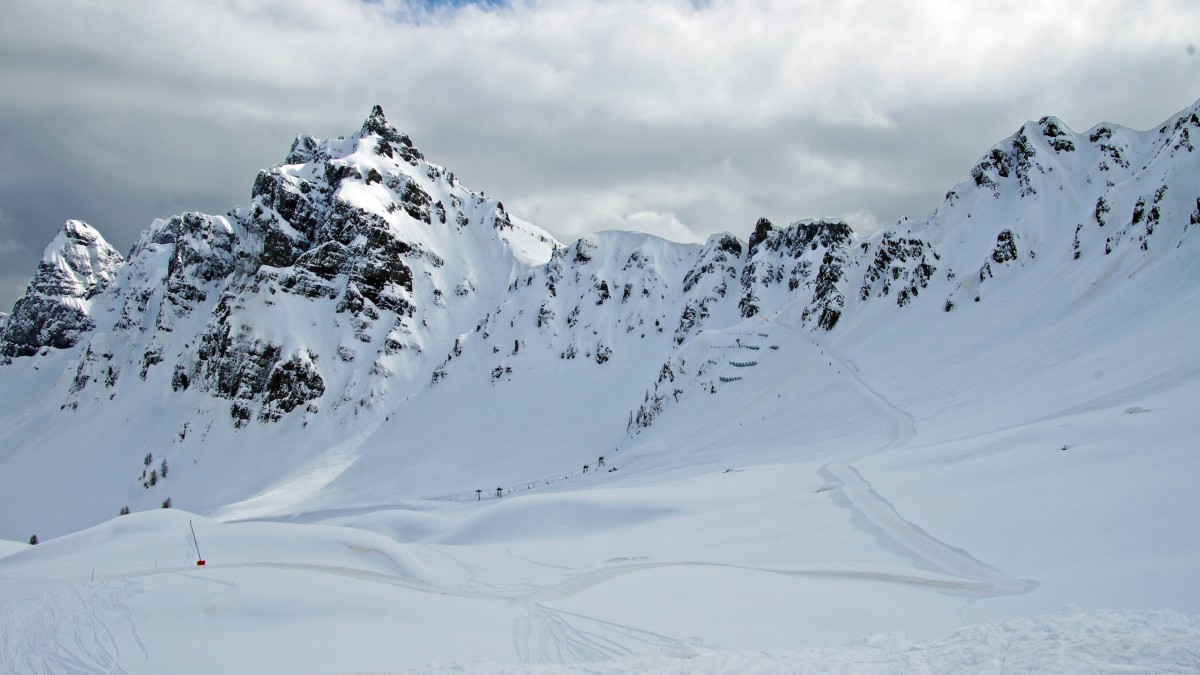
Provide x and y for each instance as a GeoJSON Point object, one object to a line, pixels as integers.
{"type": "Point", "coordinates": [55, 309]}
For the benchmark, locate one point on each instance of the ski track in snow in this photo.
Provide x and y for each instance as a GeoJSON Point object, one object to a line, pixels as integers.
{"type": "Point", "coordinates": [1072, 642]}
{"type": "Point", "coordinates": [90, 627]}
{"type": "Point", "coordinates": [549, 636]}
{"type": "Point", "coordinates": [80, 627]}
{"type": "Point", "coordinates": [542, 635]}
{"type": "Point", "coordinates": [66, 631]}
{"type": "Point", "coordinates": [861, 498]}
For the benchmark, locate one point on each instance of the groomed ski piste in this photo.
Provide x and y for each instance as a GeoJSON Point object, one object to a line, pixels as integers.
{"type": "Point", "coordinates": [1001, 484]}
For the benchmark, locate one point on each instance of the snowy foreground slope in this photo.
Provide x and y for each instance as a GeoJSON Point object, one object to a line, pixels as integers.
{"type": "Point", "coordinates": [962, 443]}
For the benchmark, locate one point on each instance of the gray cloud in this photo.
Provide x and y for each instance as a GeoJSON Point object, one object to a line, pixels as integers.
{"type": "Point", "coordinates": [679, 118]}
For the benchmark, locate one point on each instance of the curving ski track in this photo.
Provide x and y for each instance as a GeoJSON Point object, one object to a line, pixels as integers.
{"type": "Point", "coordinates": [857, 494]}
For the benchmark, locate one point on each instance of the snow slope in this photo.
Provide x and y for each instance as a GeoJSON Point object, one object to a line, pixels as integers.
{"type": "Point", "coordinates": [970, 437]}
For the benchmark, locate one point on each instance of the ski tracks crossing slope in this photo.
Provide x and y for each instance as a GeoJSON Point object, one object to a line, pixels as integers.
{"type": "Point", "coordinates": [852, 490]}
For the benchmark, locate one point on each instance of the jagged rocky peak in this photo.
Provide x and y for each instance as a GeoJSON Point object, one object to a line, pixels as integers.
{"type": "Point", "coordinates": [828, 232]}
{"type": "Point", "coordinates": [389, 245]}
{"type": "Point", "coordinates": [78, 263]}
{"type": "Point", "coordinates": [808, 254]}
{"type": "Point", "coordinates": [390, 140]}
{"type": "Point", "coordinates": [203, 244]}
{"type": "Point", "coordinates": [762, 229]}
{"type": "Point", "coordinates": [377, 124]}
{"type": "Point", "coordinates": [305, 148]}
{"type": "Point", "coordinates": [55, 309]}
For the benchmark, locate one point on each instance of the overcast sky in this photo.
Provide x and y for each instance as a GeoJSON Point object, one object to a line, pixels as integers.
{"type": "Point", "coordinates": [676, 117]}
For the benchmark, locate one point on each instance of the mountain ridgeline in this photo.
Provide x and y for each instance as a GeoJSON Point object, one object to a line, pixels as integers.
{"type": "Point", "coordinates": [364, 235]}
{"type": "Point", "coordinates": [353, 233]}
{"type": "Point", "coordinates": [362, 277]}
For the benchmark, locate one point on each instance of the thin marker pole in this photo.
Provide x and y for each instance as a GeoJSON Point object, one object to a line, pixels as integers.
{"type": "Point", "coordinates": [199, 558]}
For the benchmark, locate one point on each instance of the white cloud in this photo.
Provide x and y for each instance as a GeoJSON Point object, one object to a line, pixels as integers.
{"type": "Point", "coordinates": [664, 225]}
{"type": "Point", "coordinates": [580, 114]}
{"type": "Point", "coordinates": [862, 221]}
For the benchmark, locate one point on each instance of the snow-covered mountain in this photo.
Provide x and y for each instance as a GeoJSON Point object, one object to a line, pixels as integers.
{"type": "Point", "coordinates": [55, 310]}
{"type": "Point", "coordinates": [362, 278]}
{"type": "Point", "coordinates": [368, 333]}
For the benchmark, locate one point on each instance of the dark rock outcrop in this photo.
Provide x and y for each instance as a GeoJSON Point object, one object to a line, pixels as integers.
{"type": "Point", "coordinates": [55, 310]}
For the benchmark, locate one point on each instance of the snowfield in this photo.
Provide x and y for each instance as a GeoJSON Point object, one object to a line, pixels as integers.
{"type": "Point", "coordinates": [442, 442]}
{"type": "Point", "coordinates": [708, 581]}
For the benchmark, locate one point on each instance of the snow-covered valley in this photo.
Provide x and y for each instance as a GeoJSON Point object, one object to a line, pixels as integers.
{"type": "Point", "coordinates": [413, 433]}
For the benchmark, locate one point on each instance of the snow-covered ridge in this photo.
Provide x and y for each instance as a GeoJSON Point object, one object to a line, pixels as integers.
{"type": "Point", "coordinates": [365, 225]}
{"type": "Point", "coordinates": [362, 278]}
{"type": "Point", "coordinates": [359, 230]}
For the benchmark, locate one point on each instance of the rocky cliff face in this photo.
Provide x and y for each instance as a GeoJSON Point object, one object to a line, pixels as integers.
{"type": "Point", "coordinates": [352, 234]}
{"type": "Point", "coordinates": [56, 309]}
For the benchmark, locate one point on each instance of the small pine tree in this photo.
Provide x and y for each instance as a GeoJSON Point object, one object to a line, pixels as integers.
{"type": "Point", "coordinates": [124, 510]}
{"type": "Point", "coordinates": [163, 469]}
{"type": "Point", "coordinates": [33, 541]}
{"type": "Point", "coordinates": [149, 458]}
{"type": "Point", "coordinates": [154, 478]}
{"type": "Point", "coordinates": [167, 503]}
